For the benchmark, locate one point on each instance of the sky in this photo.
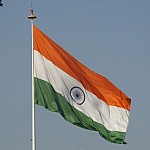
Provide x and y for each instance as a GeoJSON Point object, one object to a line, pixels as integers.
{"type": "Point", "coordinates": [109, 37]}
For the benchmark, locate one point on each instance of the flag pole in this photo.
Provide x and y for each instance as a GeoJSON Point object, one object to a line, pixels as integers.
{"type": "Point", "coordinates": [32, 17]}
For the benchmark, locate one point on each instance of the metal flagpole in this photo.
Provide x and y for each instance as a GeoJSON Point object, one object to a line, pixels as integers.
{"type": "Point", "coordinates": [32, 17]}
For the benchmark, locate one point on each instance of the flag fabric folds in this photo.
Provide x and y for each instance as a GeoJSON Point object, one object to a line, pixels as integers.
{"type": "Point", "coordinates": [83, 97]}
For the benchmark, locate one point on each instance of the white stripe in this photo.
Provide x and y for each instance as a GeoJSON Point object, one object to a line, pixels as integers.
{"type": "Point", "coordinates": [112, 117]}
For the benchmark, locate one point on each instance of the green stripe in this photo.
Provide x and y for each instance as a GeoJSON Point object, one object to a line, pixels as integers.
{"type": "Point", "coordinates": [46, 96]}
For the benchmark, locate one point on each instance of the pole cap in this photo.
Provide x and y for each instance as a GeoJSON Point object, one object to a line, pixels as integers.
{"type": "Point", "coordinates": [32, 16]}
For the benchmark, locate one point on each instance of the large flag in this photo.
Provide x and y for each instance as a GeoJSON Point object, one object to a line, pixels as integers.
{"type": "Point", "coordinates": [81, 96]}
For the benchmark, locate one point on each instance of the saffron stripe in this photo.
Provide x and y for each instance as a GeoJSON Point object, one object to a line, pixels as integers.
{"type": "Point", "coordinates": [93, 82]}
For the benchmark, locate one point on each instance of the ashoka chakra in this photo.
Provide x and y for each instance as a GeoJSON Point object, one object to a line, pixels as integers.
{"type": "Point", "coordinates": [77, 95]}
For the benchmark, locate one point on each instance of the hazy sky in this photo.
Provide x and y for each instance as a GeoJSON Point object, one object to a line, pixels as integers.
{"type": "Point", "coordinates": [111, 37]}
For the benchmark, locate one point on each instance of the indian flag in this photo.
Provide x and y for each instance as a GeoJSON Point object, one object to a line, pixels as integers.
{"type": "Point", "coordinates": [81, 96]}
